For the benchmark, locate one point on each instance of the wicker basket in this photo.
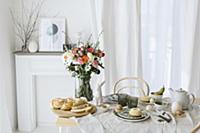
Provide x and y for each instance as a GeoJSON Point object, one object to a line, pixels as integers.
{"type": "Point", "coordinates": [144, 89]}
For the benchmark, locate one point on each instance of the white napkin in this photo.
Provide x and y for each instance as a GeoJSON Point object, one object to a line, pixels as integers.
{"type": "Point", "coordinates": [166, 127]}
{"type": "Point", "coordinates": [170, 127]}
{"type": "Point", "coordinates": [89, 124]}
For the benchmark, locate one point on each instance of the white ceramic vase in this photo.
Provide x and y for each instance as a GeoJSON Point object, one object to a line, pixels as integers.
{"type": "Point", "coordinates": [33, 47]}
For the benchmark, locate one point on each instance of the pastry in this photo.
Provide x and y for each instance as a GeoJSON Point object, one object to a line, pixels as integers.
{"type": "Point", "coordinates": [86, 109]}
{"type": "Point", "coordinates": [79, 101]}
{"type": "Point", "coordinates": [70, 101]}
{"type": "Point", "coordinates": [80, 106]}
{"type": "Point", "coordinates": [57, 103]}
{"type": "Point", "coordinates": [136, 112]}
{"type": "Point", "coordinates": [84, 99]}
{"type": "Point", "coordinates": [145, 99]}
{"type": "Point", "coordinates": [119, 108]}
{"type": "Point", "coordinates": [66, 106]}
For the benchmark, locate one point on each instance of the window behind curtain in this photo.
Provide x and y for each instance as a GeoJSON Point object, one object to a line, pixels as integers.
{"type": "Point", "coordinates": [162, 33]}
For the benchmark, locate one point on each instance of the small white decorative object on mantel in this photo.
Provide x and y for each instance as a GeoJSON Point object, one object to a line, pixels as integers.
{"type": "Point", "coordinates": [52, 34]}
{"type": "Point", "coordinates": [33, 47]}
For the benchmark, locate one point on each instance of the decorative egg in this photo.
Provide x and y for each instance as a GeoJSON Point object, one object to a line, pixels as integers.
{"type": "Point", "coordinates": [152, 100]}
{"type": "Point", "coordinates": [149, 108]}
{"type": "Point", "coordinates": [176, 107]}
{"type": "Point", "coordinates": [33, 46]}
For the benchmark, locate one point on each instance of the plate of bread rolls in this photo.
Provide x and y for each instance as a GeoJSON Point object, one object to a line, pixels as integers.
{"type": "Point", "coordinates": [72, 107]}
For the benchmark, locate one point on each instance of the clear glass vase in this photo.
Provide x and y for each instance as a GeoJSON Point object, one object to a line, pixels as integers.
{"type": "Point", "coordinates": [83, 88]}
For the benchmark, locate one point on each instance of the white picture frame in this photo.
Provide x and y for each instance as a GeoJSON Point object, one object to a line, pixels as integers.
{"type": "Point", "coordinates": [52, 34]}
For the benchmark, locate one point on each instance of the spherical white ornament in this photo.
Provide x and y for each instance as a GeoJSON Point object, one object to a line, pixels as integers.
{"type": "Point", "coordinates": [33, 46]}
{"type": "Point", "coordinates": [149, 108]}
{"type": "Point", "coordinates": [176, 107]}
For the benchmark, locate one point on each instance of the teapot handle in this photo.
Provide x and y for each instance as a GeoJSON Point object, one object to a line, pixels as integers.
{"type": "Point", "coordinates": [193, 98]}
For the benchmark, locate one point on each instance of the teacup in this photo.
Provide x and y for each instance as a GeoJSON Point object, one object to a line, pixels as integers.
{"type": "Point", "coordinates": [126, 100]}
{"type": "Point", "coordinates": [132, 102]}
{"type": "Point", "coordinates": [122, 99]}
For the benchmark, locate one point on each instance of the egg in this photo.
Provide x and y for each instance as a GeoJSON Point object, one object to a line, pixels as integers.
{"type": "Point", "coordinates": [149, 108]}
{"type": "Point", "coordinates": [176, 107]}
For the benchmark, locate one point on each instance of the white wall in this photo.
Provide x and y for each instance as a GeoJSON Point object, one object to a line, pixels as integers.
{"type": "Point", "coordinates": [76, 12]}
{"type": "Point", "coordinates": [7, 62]}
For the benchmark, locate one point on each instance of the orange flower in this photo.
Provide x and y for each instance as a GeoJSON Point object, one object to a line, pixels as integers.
{"type": "Point", "coordinates": [65, 57]}
{"type": "Point", "coordinates": [85, 59]}
{"type": "Point", "coordinates": [75, 50]}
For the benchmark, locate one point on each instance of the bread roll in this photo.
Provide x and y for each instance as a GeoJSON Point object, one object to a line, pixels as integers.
{"type": "Point", "coordinates": [86, 109]}
{"type": "Point", "coordinates": [118, 108]}
{"type": "Point", "coordinates": [80, 106]}
{"type": "Point", "coordinates": [78, 102]}
{"type": "Point", "coordinates": [70, 101]}
{"type": "Point", "coordinates": [66, 107]}
{"type": "Point", "coordinates": [57, 103]}
{"type": "Point", "coordinates": [136, 112]}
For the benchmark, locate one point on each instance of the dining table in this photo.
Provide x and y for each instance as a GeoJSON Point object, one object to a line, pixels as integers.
{"type": "Point", "coordinates": [108, 122]}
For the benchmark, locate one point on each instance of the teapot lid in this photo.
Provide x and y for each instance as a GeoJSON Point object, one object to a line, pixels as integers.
{"type": "Point", "coordinates": [181, 90]}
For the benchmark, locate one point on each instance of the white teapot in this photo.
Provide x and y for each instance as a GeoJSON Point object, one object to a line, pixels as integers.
{"type": "Point", "coordinates": [183, 97]}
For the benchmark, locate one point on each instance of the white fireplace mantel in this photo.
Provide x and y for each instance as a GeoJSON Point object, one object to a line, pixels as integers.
{"type": "Point", "coordinates": [28, 66]}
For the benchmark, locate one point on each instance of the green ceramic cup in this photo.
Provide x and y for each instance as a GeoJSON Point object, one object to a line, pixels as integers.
{"type": "Point", "coordinates": [122, 99]}
{"type": "Point", "coordinates": [132, 102]}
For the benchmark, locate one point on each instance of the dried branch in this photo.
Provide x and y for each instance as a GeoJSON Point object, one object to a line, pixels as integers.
{"type": "Point", "coordinates": [25, 25]}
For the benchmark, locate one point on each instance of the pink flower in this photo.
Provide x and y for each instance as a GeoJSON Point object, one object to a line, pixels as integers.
{"type": "Point", "coordinates": [74, 51]}
{"type": "Point", "coordinates": [82, 48]}
{"type": "Point", "coordinates": [91, 50]}
{"type": "Point", "coordinates": [100, 53]}
{"type": "Point", "coordinates": [80, 60]}
{"type": "Point", "coordinates": [95, 63]}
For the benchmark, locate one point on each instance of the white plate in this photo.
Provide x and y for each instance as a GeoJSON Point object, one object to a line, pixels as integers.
{"type": "Point", "coordinates": [126, 117]}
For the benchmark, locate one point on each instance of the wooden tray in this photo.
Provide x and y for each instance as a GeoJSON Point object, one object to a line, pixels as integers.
{"type": "Point", "coordinates": [67, 114]}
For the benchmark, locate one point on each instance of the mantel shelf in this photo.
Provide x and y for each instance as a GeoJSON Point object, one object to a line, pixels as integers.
{"type": "Point", "coordinates": [48, 53]}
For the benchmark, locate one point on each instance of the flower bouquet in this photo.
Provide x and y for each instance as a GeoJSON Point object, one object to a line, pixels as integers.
{"type": "Point", "coordinates": [81, 61]}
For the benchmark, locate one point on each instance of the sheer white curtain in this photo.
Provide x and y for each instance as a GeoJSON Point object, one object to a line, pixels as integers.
{"type": "Point", "coordinates": [168, 30]}
{"type": "Point", "coordinates": [119, 20]}
{"type": "Point", "coordinates": [165, 33]}
{"type": "Point", "coordinates": [195, 69]}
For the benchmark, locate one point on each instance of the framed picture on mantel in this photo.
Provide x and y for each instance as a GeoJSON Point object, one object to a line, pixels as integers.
{"type": "Point", "coordinates": [52, 34]}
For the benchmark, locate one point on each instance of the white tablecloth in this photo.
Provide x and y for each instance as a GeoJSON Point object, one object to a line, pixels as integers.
{"type": "Point", "coordinates": [109, 123]}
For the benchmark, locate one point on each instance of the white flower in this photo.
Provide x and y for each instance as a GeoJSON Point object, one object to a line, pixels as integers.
{"type": "Point", "coordinates": [87, 68]}
{"type": "Point", "coordinates": [91, 57]}
{"type": "Point", "coordinates": [76, 68]}
{"type": "Point", "coordinates": [68, 57]}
